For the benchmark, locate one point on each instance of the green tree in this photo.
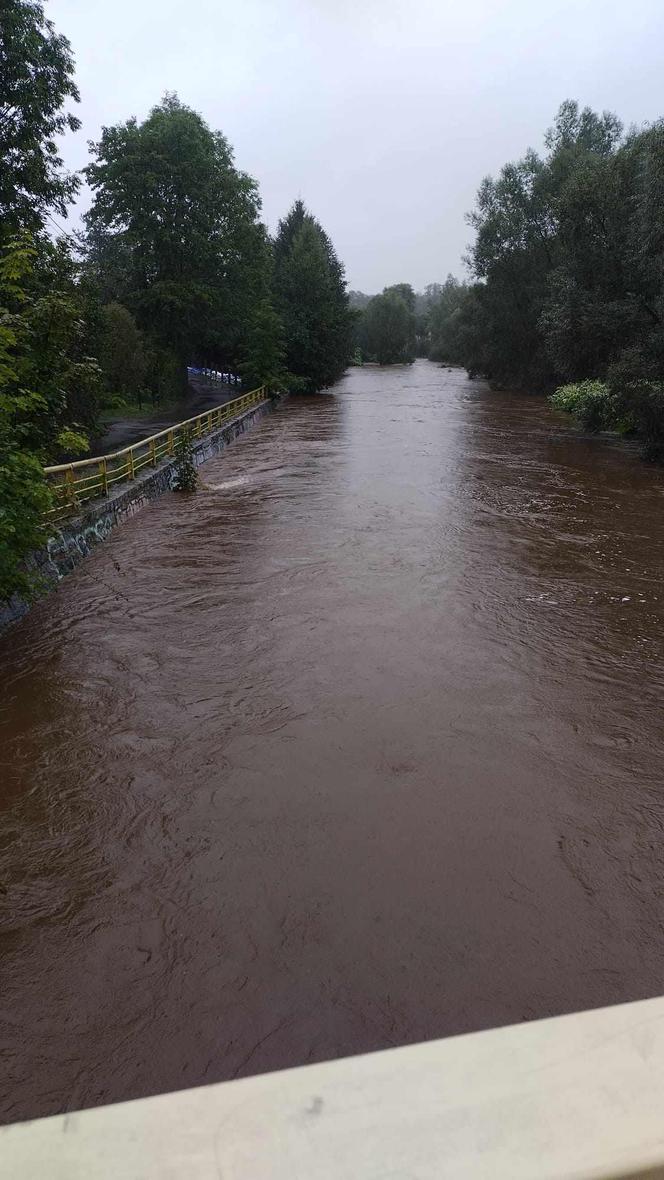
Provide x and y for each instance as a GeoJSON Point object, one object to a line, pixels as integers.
{"type": "Point", "coordinates": [568, 259]}
{"type": "Point", "coordinates": [386, 331]}
{"type": "Point", "coordinates": [36, 79]}
{"type": "Point", "coordinates": [264, 352]}
{"type": "Point", "coordinates": [311, 300]}
{"type": "Point", "coordinates": [526, 291]}
{"type": "Point", "coordinates": [446, 321]}
{"type": "Point", "coordinates": [24, 496]}
{"type": "Point", "coordinates": [122, 353]}
{"type": "Point", "coordinates": [405, 292]}
{"type": "Point", "coordinates": [58, 363]}
{"type": "Point", "coordinates": [186, 475]}
{"type": "Point", "coordinates": [48, 378]}
{"type": "Point", "coordinates": [605, 308]}
{"type": "Point", "coordinates": [424, 302]}
{"type": "Point", "coordinates": [180, 224]}
{"type": "Point", "coordinates": [512, 256]}
{"type": "Point", "coordinates": [357, 300]}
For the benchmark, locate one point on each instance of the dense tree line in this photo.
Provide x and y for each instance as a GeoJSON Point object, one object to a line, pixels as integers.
{"type": "Point", "coordinates": [401, 324]}
{"type": "Point", "coordinates": [173, 267]}
{"type": "Point", "coordinates": [385, 330]}
{"type": "Point", "coordinates": [568, 275]}
{"type": "Point", "coordinates": [566, 287]}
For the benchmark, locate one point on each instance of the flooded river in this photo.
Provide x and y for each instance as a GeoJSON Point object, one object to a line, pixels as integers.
{"type": "Point", "coordinates": [359, 746]}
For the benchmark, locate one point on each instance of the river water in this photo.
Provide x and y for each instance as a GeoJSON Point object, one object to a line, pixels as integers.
{"type": "Point", "coordinates": [361, 745]}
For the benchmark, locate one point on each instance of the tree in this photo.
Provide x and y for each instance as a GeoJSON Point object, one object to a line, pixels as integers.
{"type": "Point", "coordinates": [48, 378]}
{"type": "Point", "coordinates": [403, 291]}
{"type": "Point", "coordinates": [386, 331]}
{"type": "Point", "coordinates": [310, 297]}
{"type": "Point", "coordinates": [24, 496]}
{"type": "Point", "coordinates": [513, 254]}
{"type": "Point", "coordinates": [58, 363]}
{"type": "Point", "coordinates": [36, 79]}
{"type": "Point", "coordinates": [539, 249]}
{"type": "Point", "coordinates": [424, 301]}
{"type": "Point", "coordinates": [263, 356]}
{"type": "Point", "coordinates": [605, 308]}
{"type": "Point", "coordinates": [568, 260]}
{"type": "Point", "coordinates": [122, 353]}
{"type": "Point", "coordinates": [445, 318]}
{"type": "Point", "coordinates": [357, 300]}
{"type": "Point", "coordinates": [181, 225]}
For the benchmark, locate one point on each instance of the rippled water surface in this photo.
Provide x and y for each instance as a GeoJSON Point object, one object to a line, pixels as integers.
{"type": "Point", "coordinates": [361, 745]}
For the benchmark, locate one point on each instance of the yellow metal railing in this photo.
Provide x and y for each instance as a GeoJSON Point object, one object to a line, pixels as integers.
{"type": "Point", "coordinates": [73, 484]}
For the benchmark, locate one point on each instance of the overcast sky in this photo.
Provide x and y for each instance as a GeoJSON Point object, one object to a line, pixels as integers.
{"type": "Point", "coordinates": [383, 115]}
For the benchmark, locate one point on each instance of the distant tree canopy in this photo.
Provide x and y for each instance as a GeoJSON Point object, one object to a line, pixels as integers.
{"type": "Point", "coordinates": [386, 329]}
{"type": "Point", "coordinates": [310, 296]}
{"type": "Point", "coordinates": [357, 300]}
{"type": "Point", "coordinates": [445, 336]}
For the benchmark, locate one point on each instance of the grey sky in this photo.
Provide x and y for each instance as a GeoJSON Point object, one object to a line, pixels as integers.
{"type": "Point", "coordinates": [383, 115]}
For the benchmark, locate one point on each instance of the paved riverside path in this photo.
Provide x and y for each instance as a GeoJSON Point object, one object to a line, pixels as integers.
{"type": "Point", "coordinates": [203, 395]}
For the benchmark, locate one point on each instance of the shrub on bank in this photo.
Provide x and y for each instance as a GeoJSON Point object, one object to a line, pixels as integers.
{"type": "Point", "coordinates": [628, 407]}
{"type": "Point", "coordinates": [592, 403]}
{"type": "Point", "coordinates": [641, 403]}
{"type": "Point", "coordinates": [186, 475]}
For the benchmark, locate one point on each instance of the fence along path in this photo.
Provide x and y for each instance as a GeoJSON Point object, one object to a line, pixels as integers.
{"type": "Point", "coordinates": [73, 484]}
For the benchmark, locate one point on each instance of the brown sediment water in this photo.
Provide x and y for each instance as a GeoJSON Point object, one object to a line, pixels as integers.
{"type": "Point", "coordinates": [360, 745]}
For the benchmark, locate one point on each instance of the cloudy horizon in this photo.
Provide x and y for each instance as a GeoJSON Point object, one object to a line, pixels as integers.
{"type": "Point", "coordinates": [383, 117]}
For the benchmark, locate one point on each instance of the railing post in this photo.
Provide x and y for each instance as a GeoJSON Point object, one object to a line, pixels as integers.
{"type": "Point", "coordinates": [103, 472]}
{"type": "Point", "coordinates": [153, 452]}
{"type": "Point", "coordinates": [171, 442]}
{"type": "Point", "coordinates": [130, 464]}
{"type": "Point", "coordinates": [69, 483]}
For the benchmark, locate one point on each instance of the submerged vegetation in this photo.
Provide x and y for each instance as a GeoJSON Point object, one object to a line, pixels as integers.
{"type": "Point", "coordinates": [635, 409]}
{"type": "Point", "coordinates": [591, 402]}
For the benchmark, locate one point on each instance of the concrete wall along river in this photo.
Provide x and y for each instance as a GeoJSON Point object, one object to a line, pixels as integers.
{"type": "Point", "coordinates": [360, 745]}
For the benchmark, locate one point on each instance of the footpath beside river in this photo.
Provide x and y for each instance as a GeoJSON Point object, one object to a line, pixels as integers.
{"type": "Point", "coordinates": [359, 746]}
{"type": "Point", "coordinates": [203, 395]}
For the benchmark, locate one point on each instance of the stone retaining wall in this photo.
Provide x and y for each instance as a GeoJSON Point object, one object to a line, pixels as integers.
{"type": "Point", "coordinates": [75, 538]}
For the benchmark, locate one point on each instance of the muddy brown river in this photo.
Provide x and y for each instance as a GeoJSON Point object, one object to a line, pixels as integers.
{"type": "Point", "coordinates": [359, 746]}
